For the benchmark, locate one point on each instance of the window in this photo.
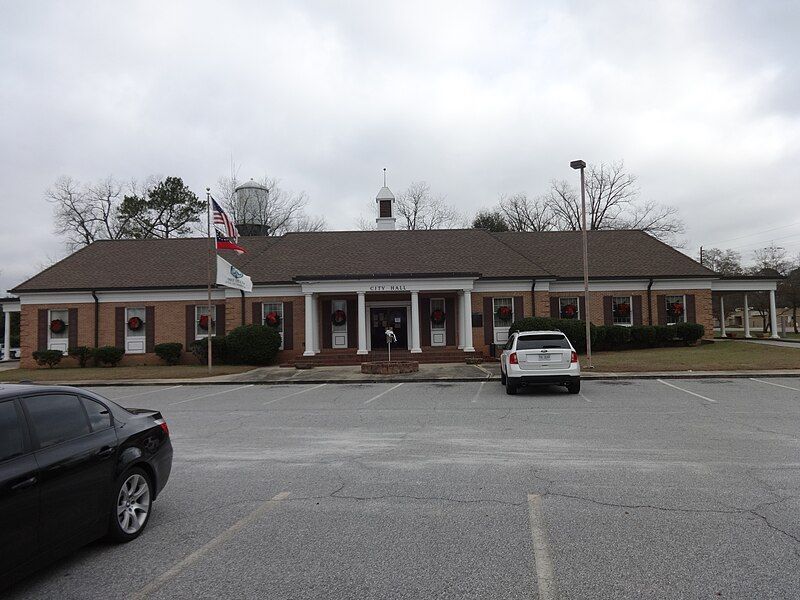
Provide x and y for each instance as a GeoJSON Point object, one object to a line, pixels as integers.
{"type": "Point", "coordinates": [203, 326]}
{"type": "Point", "coordinates": [676, 309]}
{"type": "Point", "coordinates": [622, 310]}
{"type": "Point", "coordinates": [57, 334]}
{"type": "Point", "coordinates": [503, 309]}
{"type": "Point", "coordinates": [134, 330]}
{"type": "Point", "coordinates": [273, 316]}
{"type": "Point", "coordinates": [99, 416]}
{"type": "Point", "coordinates": [11, 435]}
{"type": "Point", "coordinates": [569, 308]}
{"type": "Point", "coordinates": [538, 342]}
{"type": "Point", "coordinates": [56, 418]}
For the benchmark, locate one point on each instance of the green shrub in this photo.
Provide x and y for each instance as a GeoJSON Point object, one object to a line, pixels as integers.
{"type": "Point", "coordinates": [49, 358]}
{"type": "Point", "coordinates": [689, 332]}
{"type": "Point", "coordinates": [574, 329]}
{"type": "Point", "coordinates": [665, 334]}
{"type": "Point", "coordinates": [253, 345]}
{"type": "Point", "coordinates": [617, 337]}
{"type": "Point", "coordinates": [83, 354]}
{"type": "Point", "coordinates": [218, 350]}
{"type": "Point", "coordinates": [109, 355]}
{"type": "Point", "coordinates": [169, 352]}
{"type": "Point", "coordinates": [643, 336]}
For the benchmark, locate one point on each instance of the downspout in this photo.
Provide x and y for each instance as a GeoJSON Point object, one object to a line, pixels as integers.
{"type": "Point", "coordinates": [96, 319]}
{"type": "Point", "coordinates": [242, 293]}
{"type": "Point", "coordinates": [533, 297]}
{"type": "Point", "coordinates": [650, 302]}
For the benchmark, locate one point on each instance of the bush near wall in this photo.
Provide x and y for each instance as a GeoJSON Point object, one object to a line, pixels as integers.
{"type": "Point", "coordinates": [245, 345]}
{"type": "Point", "coordinates": [47, 358]}
{"type": "Point", "coordinates": [169, 352]}
{"type": "Point", "coordinates": [218, 350]}
{"type": "Point", "coordinates": [109, 355]}
{"type": "Point", "coordinates": [614, 337]}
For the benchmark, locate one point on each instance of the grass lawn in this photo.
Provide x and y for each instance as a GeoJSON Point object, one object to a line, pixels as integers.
{"type": "Point", "coordinates": [113, 373]}
{"type": "Point", "coordinates": [719, 356]}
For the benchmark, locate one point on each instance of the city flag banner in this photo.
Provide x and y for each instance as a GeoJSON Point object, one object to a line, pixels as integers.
{"type": "Point", "coordinates": [231, 277]}
{"type": "Point", "coordinates": [226, 243]}
{"type": "Point", "coordinates": [223, 222]}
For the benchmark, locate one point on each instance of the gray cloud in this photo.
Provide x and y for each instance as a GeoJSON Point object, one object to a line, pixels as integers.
{"type": "Point", "coordinates": [702, 100]}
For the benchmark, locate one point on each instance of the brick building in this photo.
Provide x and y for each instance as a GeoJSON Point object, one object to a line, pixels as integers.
{"type": "Point", "coordinates": [332, 294]}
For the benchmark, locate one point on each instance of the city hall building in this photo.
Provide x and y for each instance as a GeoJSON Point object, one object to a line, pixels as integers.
{"type": "Point", "coordinates": [445, 293]}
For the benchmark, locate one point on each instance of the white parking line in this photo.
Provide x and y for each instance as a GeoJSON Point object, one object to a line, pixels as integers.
{"type": "Point", "coordinates": [545, 576]}
{"type": "Point", "coordinates": [581, 394]}
{"type": "Point", "coordinates": [295, 393]}
{"type": "Point", "coordinates": [687, 391]}
{"type": "Point", "coordinates": [195, 556]}
{"type": "Point", "coordinates": [241, 387]}
{"type": "Point", "coordinates": [478, 393]}
{"type": "Point", "coordinates": [383, 393]}
{"type": "Point", "coordinates": [145, 393]}
{"type": "Point", "coordinates": [775, 384]}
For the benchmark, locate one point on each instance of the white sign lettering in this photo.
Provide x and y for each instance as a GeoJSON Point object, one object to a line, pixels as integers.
{"type": "Point", "coordinates": [392, 287]}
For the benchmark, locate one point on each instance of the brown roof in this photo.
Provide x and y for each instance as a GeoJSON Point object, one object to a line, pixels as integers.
{"type": "Point", "coordinates": [181, 263]}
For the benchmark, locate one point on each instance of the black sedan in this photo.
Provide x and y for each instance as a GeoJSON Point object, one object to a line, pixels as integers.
{"type": "Point", "coordinates": [74, 467]}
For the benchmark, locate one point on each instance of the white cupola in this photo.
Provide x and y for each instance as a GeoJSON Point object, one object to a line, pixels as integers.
{"type": "Point", "coordinates": [385, 199]}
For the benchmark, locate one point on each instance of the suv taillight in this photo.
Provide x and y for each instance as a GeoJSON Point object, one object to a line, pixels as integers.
{"type": "Point", "coordinates": [512, 359]}
{"type": "Point", "coordinates": [574, 357]}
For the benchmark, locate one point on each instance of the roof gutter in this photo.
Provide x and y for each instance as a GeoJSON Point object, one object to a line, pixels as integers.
{"type": "Point", "coordinates": [650, 302]}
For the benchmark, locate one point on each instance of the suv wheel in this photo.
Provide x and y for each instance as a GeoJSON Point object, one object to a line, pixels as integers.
{"type": "Point", "coordinates": [574, 387]}
{"type": "Point", "coordinates": [502, 377]}
{"type": "Point", "coordinates": [131, 505]}
{"type": "Point", "coordinates": [511, 387]}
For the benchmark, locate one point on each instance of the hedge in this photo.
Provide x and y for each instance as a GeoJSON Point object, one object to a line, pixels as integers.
{"type": "Point", "coordinates": [169, 352]}
{"type": "Point", "coordinates": [109, 355]}
{"type": "Point", "coordinates": [49, 358]}
{"type": "Point", "coordinates": [614, 337]}
{"type": "Point", "coordinates": [83, 354]}
{"type": "Point", "coordinates": [253, 345]}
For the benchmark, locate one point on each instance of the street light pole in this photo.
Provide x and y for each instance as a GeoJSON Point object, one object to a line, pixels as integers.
{"type": "Point", "coordinates": [581, 165]}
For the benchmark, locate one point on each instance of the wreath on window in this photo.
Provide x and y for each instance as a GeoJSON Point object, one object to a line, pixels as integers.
{"type": "Point", "coordinates": [623, 309]}
{"type": "Point", "coordinates": [438, 317]}
{"type": "Point", "coordinates": [676, 308]}
{"type": "Point", "coordinates": [339, 317]}
{"type": "Point", "coordinates": [203, 322]}
{"type": "Point", "coordinates": [569, 311]}
{"type": "Point", "coordinates": [272, 318]}
{"type": "Point", "coordinates": [135, 323]}
{"type": "Point", "coordinates": [57, 326]}
{"type": "Point", "coordinates": [504, 313]}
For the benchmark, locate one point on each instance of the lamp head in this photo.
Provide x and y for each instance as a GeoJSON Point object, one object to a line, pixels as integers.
{"type": "Point", "coordinates": [577, 164]}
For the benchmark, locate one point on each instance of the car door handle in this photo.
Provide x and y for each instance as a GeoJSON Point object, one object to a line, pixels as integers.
{"type": "Point", "coordinates": [25, 483]}
{"type": "Point", "coordinates": [105, 451]}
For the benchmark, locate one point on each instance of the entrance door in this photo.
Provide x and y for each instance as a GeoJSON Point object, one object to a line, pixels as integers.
{"type": "Point", "coordinates": [391, 316]}
{"type": "Point", "coordinates": [438, 330]}
{"type": "Point", "coordinates": [339, 332]}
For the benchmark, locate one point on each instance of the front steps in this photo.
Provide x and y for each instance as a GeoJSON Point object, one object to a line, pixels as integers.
{"type": "Point", "coordinates": [345, 357]}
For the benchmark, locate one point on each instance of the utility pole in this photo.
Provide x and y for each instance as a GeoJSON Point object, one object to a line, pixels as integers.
{"type": "Point", "coordinates": [581, 165]}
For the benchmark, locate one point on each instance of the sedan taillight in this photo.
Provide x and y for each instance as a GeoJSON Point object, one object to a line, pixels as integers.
{"type": "Point", "coordinates": [512, 359]}
{"type": "Point", "coordinates": [574, 357]}
{"type": "Point", "coordinates": [163, 424]}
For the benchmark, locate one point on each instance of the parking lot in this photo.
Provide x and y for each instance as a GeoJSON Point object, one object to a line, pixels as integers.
{"type": "Point", "coordinates": [645, 489]}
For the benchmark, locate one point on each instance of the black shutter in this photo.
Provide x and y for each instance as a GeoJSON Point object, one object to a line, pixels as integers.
{"type": "Point", "coordinates": [691, 310]}
{"type": "Point", "coordinates": [608, 310]}
{"type": "Point", "coordinates": [661, 309]}
{"type": "Point", "coordinates": [119, 327]}
{"type": "Point", "coordinates": [258, 318]}
{"type": "Point", "coordinates": [519, 308]}
{"type": "Point", "coordinates": [555, 308]}
{"type": "Point", "coordinates": [72, 328]}
{"type": "Point", "coordinates": [221, 316]}
{"type": "Point", "coordinates": [637, 310]}
{"type": "Point", "coordinates": [450, 321]}
{"type": "Point", "coordinates": [41, 332]}
{"type": "Point", "coordinates": [288, 325]}
{"type": "Point", "coordinates": [189, 326]}
{"type": "Point", "coordinates": [424, 322]}
{"type": "Point", "coordinates": [488, 321]}
{"type": "Point", "coordinates": [150, 328]}
{"type": "Point", "coordinates": [327, 334]}
{"type": "Point", "coordinates": [352, 324]}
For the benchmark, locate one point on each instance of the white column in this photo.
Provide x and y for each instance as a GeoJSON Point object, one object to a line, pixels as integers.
{"type": "Point", "coordinates": [746, 317]}
{"type": "Point", "coordinates": [7, 337]}
{"type": "Point", "coordinates": [362, 324]}
{"type": "Point", "coordinates": [415, 323]}
{"type": "Point", "coordinates": [316, 329]}
{"type": "Point", "coordinates": [773, 316]}
{"type": "Point", "coordinates": [461, 328]}
{"type": "Point", "coordinates": [468, 321]}
{"type": "Point", "coordinates": [722, 315]}
{"type": "Point", "coordinates": [309, 325]}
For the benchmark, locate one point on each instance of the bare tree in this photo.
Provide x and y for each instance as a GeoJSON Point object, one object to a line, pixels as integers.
{"type": "Point", "coordinates": [524, 214]}
{"type": "Point", "coordinates": [724, 262]}
{"type": "Point", "coordinates": [769, 261]}
{"type": "Point", "coordinates": [275, 212]}
{"type": "Point", "coordinates": [418, 208]}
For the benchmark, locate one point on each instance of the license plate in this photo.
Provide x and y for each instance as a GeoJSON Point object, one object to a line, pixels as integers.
{"type": "Point", "coordinates": [545, 357]}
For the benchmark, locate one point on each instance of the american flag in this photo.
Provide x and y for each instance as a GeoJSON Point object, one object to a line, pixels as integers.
{"type": "Point", "coordinates": [223, 222]}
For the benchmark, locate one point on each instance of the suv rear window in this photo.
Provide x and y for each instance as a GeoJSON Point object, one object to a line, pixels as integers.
{"type": "Point", "coordinates": [539, 342]}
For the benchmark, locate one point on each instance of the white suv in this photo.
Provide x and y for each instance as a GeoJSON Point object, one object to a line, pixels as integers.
{"type": "Point", "coordinates": [539, 358]}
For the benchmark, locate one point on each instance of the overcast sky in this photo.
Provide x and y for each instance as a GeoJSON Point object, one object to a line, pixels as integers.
{"type": "Point", "coordinates": [701, 100]}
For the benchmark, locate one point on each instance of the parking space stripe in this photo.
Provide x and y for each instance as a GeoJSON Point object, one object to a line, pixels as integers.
{"type": "Point", "coordinates": [581, 394]}
{"type": "Point", "coordinates": [545, 576]}
{"type": "Point", "coordinates": [775, 384]}
{"type": "Point", "coordinates": [383, 393]}
{"type": "Point", "coordinates": [295, 393]}
{"type": "Point", "coordinates": [687, 391]}
{"type": "Point", "coordinates": [241, 387]}
{"type": "Point", "coordinates": [198, 554]}
{"type": "Point", "coordinates": [478, 393]}
{"type": "Point", "coordinates": [147, 392]}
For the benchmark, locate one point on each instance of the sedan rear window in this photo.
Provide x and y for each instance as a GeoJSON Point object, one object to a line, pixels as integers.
{"type": "Point", "coordinates": [540, 342]}
{"type": "Point", "coordinates": [56, 418]}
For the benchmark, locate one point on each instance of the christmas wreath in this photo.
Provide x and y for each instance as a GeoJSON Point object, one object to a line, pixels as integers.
{"type": "Point", "coordinates": [623, 309]}
{"type": "Point", "coordinates": [135, 323]}
{"type": "Point", "coordinates": [57, 326]}
{"type": "Point", "coordinates": [569, 311]}
{"type": "Point", "coordinates": [272, 318]}
{"type": "Point", "coordinates": [504, 313]}
{"type": "Point", "coordinates": [203, 322]}
{"type": "Point", "coordinates": [677, 309]}
{"type": "Point", "coordinates": [339, 317]}
{"type": "Point", "coordinates": [438, 317]}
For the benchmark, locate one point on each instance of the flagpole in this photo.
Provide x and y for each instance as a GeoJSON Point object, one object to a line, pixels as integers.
{"type": "Point", "coordinates": [211, 250]}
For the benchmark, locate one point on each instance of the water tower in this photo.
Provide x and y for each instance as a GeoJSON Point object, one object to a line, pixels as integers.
{"type": "Point", "coordinates": [251, 197]}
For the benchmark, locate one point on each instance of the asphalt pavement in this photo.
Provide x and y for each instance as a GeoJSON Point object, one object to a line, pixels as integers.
{"type": "Point", "coordinates": [632, 489]}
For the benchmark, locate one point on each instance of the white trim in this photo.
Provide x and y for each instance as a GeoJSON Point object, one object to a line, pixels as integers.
{"type": "Point", "coordinates": [630, 314]}
{"type": "Point", "coordinates": [743, 285]}
{"type": "Point", "coordinates": [626, 285]}
{"type": "Point", "coordinates": [135, 338]}
{"type": "Point", "coordinates": [10, 307]}
{"type": "Point", "coordinates": [274, 290]}
{"type": "Point", "coordinates": [503, 285]}
{"type": "Point", "coordinates": [388, 286]}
